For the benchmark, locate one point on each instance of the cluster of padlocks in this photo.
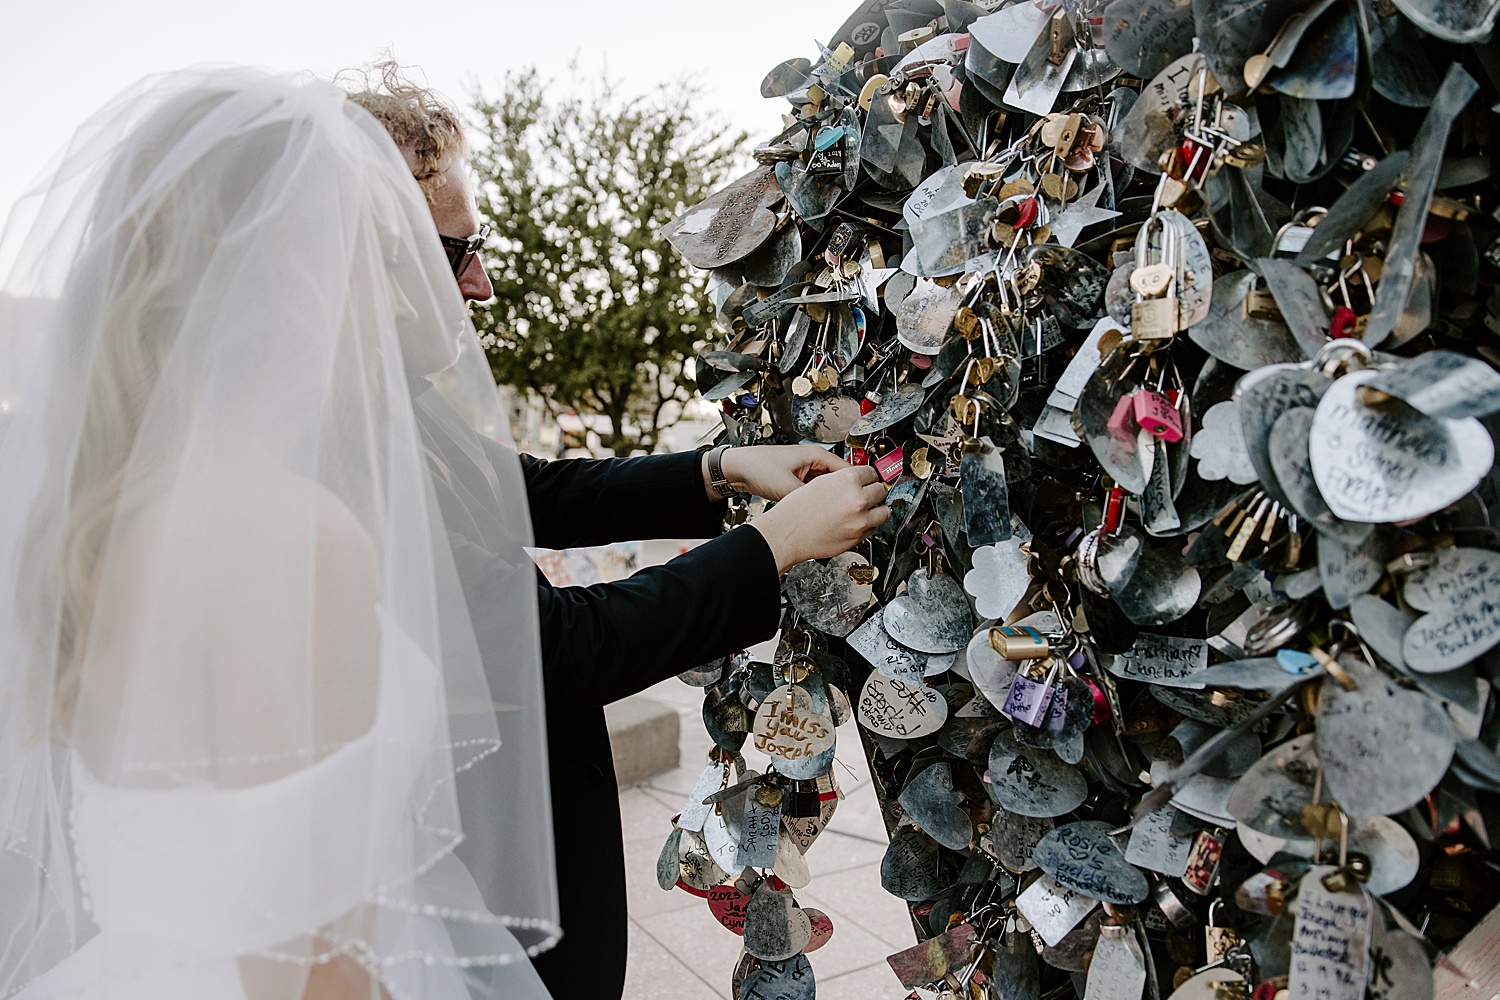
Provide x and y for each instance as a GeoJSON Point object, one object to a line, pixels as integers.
{"type": "Point", "coordinates": [1171, 329]}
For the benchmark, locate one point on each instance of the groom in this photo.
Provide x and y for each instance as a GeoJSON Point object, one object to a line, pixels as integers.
{"type": "Point", "coordinates": [603, 643]}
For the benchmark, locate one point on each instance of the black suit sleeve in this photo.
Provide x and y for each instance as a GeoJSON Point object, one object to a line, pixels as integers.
{"type": "Point", "coordinates": [595, 501]}
{"type": "Point", "coordinates": [612, 640]}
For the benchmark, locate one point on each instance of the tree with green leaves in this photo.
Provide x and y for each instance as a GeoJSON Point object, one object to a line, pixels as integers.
{"type": "Point", "coordinates": [593, 310]}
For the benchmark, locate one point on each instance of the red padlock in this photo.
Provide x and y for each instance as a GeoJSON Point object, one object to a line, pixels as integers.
{"type": "Point", "coordinates": [1343, 324]}
{"type": "Point", "coordinates": [1153, 412]}
{"type": "Point", "coordinates": [1121, 423]}
{"type": "Point", "coordinates": [1027, 213]}
{"type": "Point", "coordinates": [889, 465]}
{"type": "Point", "coordinates": [859, 456]}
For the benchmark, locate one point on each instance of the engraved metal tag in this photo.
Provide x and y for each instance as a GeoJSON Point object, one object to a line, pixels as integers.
{"type": "Point", "coordinates": [827, 595]}
{"type": "Point", "coordinates": [885, 654]}
{"type": "Point", "coordinates": [1392, 463]}
{"type": "Point", "coordinates": [775, 927]}
{"type": "Point", "coordinates": [1153, 846]}
{"type": "Point", "coordinates": [1033, 782]}
{"type": "Point", "coordinates": [890, 707]}
{"type": "Point", "coordinates": [1383, 748]}
{"type": "Point", "coordinates": [730, 223]}
{"type": "Point", "coordinates": [932, 616]}
{"type": "Point", "coordinates": [931, 802]}
{"type": "Point", "coordinates": [789, 980]}
{"type": "Point", "coordinates": [1460, 592]}
{"type": "Point", "coordinates": [1053, 910]}
{"type": "Point", "coordinates": [1162, 659]}
{"type": "Point", "coordinates": [1330, 940]}
{"type": "Point", "coordinates": [1085, 857]}
{"type": "Point", "coordinates": [912, 867]}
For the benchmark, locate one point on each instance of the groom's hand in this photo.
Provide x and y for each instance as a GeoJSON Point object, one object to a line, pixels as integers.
{"type": "Point", "coordinates": [773, 471]}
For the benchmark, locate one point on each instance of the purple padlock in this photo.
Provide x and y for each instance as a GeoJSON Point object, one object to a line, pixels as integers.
{"type": "Point", "coordinates": [1029, 699]}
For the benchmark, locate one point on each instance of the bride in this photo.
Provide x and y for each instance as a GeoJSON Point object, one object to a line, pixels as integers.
{"type": "Point", "coordinates": [237, 678]}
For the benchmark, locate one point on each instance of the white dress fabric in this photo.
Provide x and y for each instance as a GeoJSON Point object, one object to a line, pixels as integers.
{"type": "Point", "coordinates": [243, 716]}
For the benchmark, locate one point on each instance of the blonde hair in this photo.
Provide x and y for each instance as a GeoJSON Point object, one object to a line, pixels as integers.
{"type": "Point", "coordinates": [425, 126]}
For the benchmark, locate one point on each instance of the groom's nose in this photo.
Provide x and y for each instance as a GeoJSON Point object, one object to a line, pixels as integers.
{"type": "Point", "coordinates": [474, 283]}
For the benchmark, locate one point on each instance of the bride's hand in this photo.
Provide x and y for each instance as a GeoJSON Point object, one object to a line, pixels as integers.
{"type": "Point", "coordinates": [773, 471]}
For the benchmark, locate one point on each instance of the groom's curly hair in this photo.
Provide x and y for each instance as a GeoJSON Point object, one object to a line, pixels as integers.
{"type": "Point", "coordinates": [424, 125]}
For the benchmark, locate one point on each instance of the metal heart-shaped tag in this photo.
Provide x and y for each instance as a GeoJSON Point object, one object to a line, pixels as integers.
{"type": "Point", "coordinates": [729, 224]}
{"type": "Point", "coordinates": [931, 803]}
{"type": "Point", "coordinates": [1383, 626]}
{"type": "Point", "coordinates": [893, 408]}
{"type": "Point", "coordinates": [667, 862]}
{"type": "Point", "coordinates": [1158, 121]}
{"type": "Point", "coordinates": [803, 830]}
{"type": "Point", "coordinates": [789, 980]}
{"type": "Point", "coordinates": [1219, 446]}
{"type": "Point", "coordinates": [932, 616]}
{"type": "Point", "coordinates": [1458, 592]}
{"type": "Point", "coordinates": [885, 654]}
{"type": "Point", "coordinates": [1033, 782]}
{"type": "Point", "coordinates": [825, 419]}
{"type": "Point", "coordinates": [1153, 846]}
{"type": "Point", "coordinates": [1162, 659]}
{"type": "Point", "coordinates": [1151, 584]}
{"type": "Point", "coordinates": [1085, 857]}
{"type": "Point", "coordinates": [912, 866]}
{"type": "Point", "coordinates": [1400, 968]}
{"type": "Point", "coordinates": [826, 594]}
{"type": "Point", "coordinates": [1144, 36]}
{"type": "Point", "coordinates": [990, 672]}
{"type": "Point", "coordinates": [925, 316]}
{"type": "Point", "coordinates": [698, 871]}
{"type": "Point", "coordinates": [1262, 396]}
{"type": "Point", "coordinates": [804, 768]}
{"type": "Point", "coordinates": [1443, 384]}
{"type": "Point", "coordinates": [791, 866]}
{"type": "Point", "coordinates": [1392, 463]}
{"type": "Point", "coordinates": [1012, 838]}
{"type": "Point", "coordinates": [822, 928]}
{"type": "Point", "coordinates": [775, 927]}
{"type": "Point", "coordinates": [1235, 336]}
{"type": "Point", "coordinates": [931, 960]}
{"type": "Point", "coordinates": [1289, 445]}
{"type": "Point", "coordinates": [889, 707]}
{"type": "Point", "coordinates": [999, 579]}
{"type": "Point", "coordinates": [728, 903]}
{"type": "Point", "coordinates": [1383, 748]}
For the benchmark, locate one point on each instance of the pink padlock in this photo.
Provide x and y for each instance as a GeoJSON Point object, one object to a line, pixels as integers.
{"type": "Point", "coordinates": [1121, 423]}
{"type": "Point", "coordinates": [1153, 412]}
{"type": "Point", "coordinates": [889, 465]}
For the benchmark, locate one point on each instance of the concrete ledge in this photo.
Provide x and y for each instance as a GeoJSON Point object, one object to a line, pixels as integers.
{"type": "Point", "coordinates": [643, 735]}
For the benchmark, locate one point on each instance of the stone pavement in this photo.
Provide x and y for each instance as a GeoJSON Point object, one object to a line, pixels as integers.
{"type": "Point", "coordinates": [679, 952]}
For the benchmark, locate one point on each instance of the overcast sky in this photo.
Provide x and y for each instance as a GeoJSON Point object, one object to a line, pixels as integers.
{"type": "Point", "coordinates": [60, 61]}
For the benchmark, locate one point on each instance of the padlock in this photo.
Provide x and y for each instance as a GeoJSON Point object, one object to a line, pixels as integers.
{"type": "Point", "coordinates": [889, 465]}
{"type": "Point", "coordinates": [1121, 424]}
{"type": "Point", "coordinates": [1019, 642]}
{"type": "Point", "coordinates": [1153, 412]}
{"type": "Point", "coordinates": [1030, 698]}
{"type": "Point", "coordinates": [1217, 940]}
{"type": "Point", "coordinates": [1154, 314]}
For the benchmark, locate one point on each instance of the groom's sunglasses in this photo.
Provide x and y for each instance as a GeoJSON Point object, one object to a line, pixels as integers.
{"type": "Point", "coordinates": [461, 252]}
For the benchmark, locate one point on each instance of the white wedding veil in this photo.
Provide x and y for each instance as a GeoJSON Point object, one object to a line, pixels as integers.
{"type": "Point", "coordinates": [244, 718]}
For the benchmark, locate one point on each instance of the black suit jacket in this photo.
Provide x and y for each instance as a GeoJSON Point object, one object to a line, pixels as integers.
{"type": "Point", "coordinates": [608, 641]}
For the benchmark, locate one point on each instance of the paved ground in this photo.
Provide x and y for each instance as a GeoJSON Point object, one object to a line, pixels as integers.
{"type": "Point", "coordinates": [679, 952]}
